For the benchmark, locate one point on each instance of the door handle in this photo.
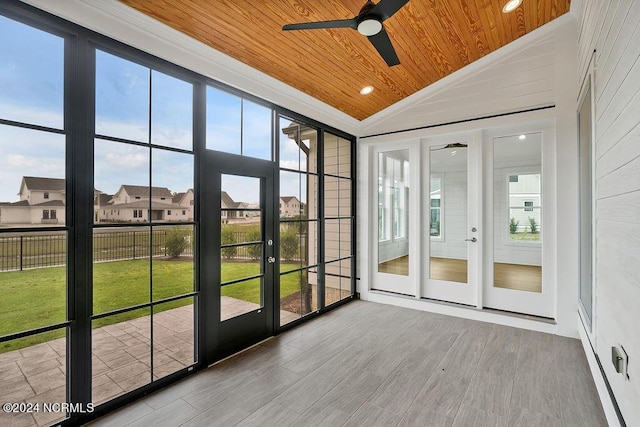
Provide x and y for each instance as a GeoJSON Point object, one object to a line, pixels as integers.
{"type": "Point", "coordinates": [473, 239]}
{"type": "Point", "coordinates": [271, 260]}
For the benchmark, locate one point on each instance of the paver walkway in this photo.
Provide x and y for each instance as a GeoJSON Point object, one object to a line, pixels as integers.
{"type": "Point", "coordinates": [121, 360]}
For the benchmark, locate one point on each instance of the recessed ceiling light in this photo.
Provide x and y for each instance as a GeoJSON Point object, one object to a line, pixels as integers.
{"type": "Point", "coordinates": [521, 137]}
{"type": "Point", "coordinates": [366, 90]}
{"type": "Point", "coordinates": [511, 5]}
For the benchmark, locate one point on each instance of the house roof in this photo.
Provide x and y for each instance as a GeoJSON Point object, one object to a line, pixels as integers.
{"type": "Point", "coordinates": [287, 199]}
{"type": "Point", "coordinates": [143, 191]}
{"type": "Point", "coordinates": [104, 199]}
{"type": "Point", "coordinates": [177, 198]}
{"type": "Point", "coordinates": [52, 203]}
{"type": "Point", "coordinates": [44, 184]}
{"type": "Point", "coordinates": [228, 202]}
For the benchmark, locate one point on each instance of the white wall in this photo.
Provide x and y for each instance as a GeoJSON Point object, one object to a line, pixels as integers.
{"type": "Point", "coordinates": [612, 28]}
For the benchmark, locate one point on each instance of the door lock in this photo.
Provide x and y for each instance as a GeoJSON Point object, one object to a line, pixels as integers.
{"type": "Point", "coordinates": [473, 239]}
{"type": "Point", "coordinates": [270, 242]}
{"type": "Point", "coordinates": [271, 260]}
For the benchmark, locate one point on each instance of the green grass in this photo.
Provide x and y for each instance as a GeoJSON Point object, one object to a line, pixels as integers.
{"type": "Point", "coordinates": [35, 298]}
{"type": "Point", "coordinates": [526, 236]}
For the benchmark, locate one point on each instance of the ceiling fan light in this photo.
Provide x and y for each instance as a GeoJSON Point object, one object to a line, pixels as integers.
{"type": "Point", "coordinates": [369, 27]}
{"type": "Point", "coordinates": [511, 5]}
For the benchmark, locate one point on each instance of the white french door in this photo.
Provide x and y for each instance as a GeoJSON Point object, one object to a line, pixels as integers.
{"type": "Point", "coordinates": [519, 226]}
{"type": "Point", "coordinates": [467, 218]}
{"type": "Point", "coordinates": [451, 220]}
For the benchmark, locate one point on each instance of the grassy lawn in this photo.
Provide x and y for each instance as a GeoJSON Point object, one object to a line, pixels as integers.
{"type": "Point", "coordinates": [532, 237]}
{"type": "Point", "coordinates": [34, 298]}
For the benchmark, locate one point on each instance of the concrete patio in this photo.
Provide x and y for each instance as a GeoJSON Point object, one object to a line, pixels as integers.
{"type": "Point", "coordinates": [121, 360]}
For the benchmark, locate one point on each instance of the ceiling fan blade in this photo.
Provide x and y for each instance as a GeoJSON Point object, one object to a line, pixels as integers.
{"type": "Point", "coordinates": [338, 23]}
{"type": "Point", "coordinates": [387, 8]}
{"type": "Point", "coordinates": [383, 45]}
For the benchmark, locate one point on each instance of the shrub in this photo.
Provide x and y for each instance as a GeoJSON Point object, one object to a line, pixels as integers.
{"type": "Point", "coordinates": [254, 251]}
{"type": "Point", "coordinates": [288, 244]}
{"type": "Point", "coordinates": [175, 242]}
{"type": "Point", "coordinates": [534, 225]}
{"type": "Point", "coordinates": [513, 225]}
{"type": "Point", "coordinates": [227, 238]}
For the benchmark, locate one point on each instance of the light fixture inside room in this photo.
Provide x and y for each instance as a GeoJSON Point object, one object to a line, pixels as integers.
{"type": "Point", "coordinates": [369, 27]}
{"type": "Point", "coordinates": [511, 5]}
{"type": "Point", "coordinates": [366, 90]}
{"type": "Point", "coordinates": [521, 137]}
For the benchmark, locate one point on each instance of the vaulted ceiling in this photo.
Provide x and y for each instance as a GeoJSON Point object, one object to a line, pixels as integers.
{"type": "Point", "coordinates": [433, 38]}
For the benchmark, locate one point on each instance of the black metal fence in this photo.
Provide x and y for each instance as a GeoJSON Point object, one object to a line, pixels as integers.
{"type": "Point", "coordinates": [38, 250]}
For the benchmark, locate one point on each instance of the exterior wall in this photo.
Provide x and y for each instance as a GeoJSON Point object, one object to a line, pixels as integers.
{"type": "Point", "coordinates": [37, 196]}
{"type": "Point", "coordinates": [15, 215]}
{"type": "Point", "coordinates": [30, 215]}
{"type": "Point", "coordinates": [612, 28]}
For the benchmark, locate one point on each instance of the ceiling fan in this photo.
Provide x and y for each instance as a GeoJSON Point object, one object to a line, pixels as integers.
{"type": "Point", "coordinates": [368, 22]}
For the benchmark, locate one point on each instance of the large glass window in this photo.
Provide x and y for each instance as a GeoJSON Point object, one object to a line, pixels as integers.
{"type": "Point", "coordinates": [33, 232]}
{"type": "Point", "coordinates": [338, 214]}
{"type": "Point", "coordinates": [132, 278]}
{"type": "Point", "coordinates": [143, 239]}
{"type": "Point", "coordinates": [298, 212]}
{"type": "Point", "coordinates": [238, 126]}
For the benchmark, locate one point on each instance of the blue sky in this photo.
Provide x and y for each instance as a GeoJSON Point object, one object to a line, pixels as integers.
{"type": "Point", "coordinates": [31, 91]}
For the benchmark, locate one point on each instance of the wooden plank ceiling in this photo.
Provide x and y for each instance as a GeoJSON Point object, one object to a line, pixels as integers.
{"type": "Point", "coordinates": [433, 38]}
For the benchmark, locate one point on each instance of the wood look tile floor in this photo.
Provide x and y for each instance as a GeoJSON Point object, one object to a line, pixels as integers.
{"type": "Point", "coordinates": [367, 364]}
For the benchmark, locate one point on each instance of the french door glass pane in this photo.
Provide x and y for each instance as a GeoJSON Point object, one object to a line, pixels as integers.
{"type": "Point", "coordinates": [393, 212]}
{"type": "Point", "coordinates": [241, 246]}
{"type": "Point", "coordinates": [448, 213]}
{"type": "Point", "coordinates": [517, 202]}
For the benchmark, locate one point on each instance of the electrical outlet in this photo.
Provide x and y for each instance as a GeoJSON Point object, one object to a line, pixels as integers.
{"type": "Point", "coordinates": [620, 360]}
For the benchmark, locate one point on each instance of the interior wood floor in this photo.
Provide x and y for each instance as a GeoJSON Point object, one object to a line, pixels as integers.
{"type": "Point", "coordinates": [379, 365]}
{"type": "Point", "coordinates": [510, 276]}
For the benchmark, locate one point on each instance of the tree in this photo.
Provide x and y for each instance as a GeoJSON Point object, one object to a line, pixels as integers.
{"type": "Point", "coordinates": [175, 242]}
{"type": "Point", "coordinates": [534, 225]}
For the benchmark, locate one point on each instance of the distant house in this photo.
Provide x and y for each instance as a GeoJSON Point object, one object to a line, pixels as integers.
{"type": "Point", "coordinates": [290, 206]}
{"type": "Point", "coordinates": [136, 203]}
{"type": "Point", "coordinates": [185, 203]}
{"type": "Point", "coordinates": [233, 211]}
{"type": "Point", "coordinates": [42, 201]}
